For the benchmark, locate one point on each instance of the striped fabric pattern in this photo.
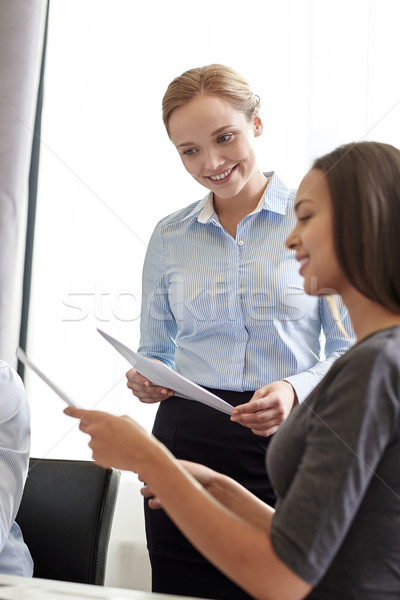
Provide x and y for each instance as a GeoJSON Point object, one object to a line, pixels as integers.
{"type": "Point", "coordinates": [232, 313]}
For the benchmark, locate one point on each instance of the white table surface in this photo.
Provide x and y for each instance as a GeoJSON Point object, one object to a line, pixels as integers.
{"type": "Point", "coordinates": [25, 588]}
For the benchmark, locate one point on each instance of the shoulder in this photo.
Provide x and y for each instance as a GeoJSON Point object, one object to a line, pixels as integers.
{"type": "Point", "coordinates": [12, 391]}
{"type": "Point", "coordinates": [379, 349]}
{"type": "Point", "coordinates": [182, 215]}
{"type": "Point", "coordinates": [9, 378]}
{"type": "Point", "coordinates": [171, 228]}
{"type": "Point", "coordinates": [380, 357]}
{"type": "Point", "coordinates": [365, 378]}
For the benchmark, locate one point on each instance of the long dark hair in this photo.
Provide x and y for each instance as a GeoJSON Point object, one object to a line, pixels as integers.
{"type": "Point", "coordinates": [364, 184]}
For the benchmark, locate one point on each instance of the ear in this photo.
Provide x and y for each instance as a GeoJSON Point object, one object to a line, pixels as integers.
{"type": "Point", "coordinates": [257, 124]}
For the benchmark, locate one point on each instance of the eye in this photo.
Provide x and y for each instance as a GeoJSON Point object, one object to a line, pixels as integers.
{"type": "Point", "coordinates": [189, 152]}
{"type": "Point", "coordinates": [304, 219]}
{"type": "Point", "coordinates": [224, 138]}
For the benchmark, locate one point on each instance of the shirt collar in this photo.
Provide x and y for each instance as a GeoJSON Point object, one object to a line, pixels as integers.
{"type": "Point", "coordinates": [276, 195]}
{"type": "Point", "coordinates": [274, 199]}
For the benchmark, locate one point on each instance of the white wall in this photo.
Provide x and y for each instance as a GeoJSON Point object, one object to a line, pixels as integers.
{"type": "Point", "coordinates": [326, 72]}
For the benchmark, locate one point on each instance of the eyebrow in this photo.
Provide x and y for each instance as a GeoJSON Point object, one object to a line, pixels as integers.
{"type": "Point", "coordinates": [299, 203]}
{"type": "Point", "coordinates": [213, 133]}
{"type": "Point", "coordinates": [221, 129]}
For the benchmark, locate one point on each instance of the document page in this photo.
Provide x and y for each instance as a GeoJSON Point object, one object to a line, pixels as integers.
{"type": "Point", "coordinates": [26, 361]}
{"type": "Point", "coordinates": [160, 374]}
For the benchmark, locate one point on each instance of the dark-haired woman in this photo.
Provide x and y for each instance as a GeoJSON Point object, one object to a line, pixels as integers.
{"type": "Point", "coordinates": [334, 463]}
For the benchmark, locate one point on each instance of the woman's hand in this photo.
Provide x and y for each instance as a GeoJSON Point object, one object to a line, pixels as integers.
{"type": "Point", "coordinates": [267, 409]}
{"type": "Point", "coordinates": [204, 475]}
{"type": "Point", "coordinates": [226, 491]}
{"type": "Point", "coordinates": [116, 441]}
{"type": "Point", "coordinates": [143, 389]}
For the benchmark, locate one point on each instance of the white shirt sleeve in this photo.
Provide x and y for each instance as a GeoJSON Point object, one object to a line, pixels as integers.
{"type": "Point", "coordinates": [14, 462]}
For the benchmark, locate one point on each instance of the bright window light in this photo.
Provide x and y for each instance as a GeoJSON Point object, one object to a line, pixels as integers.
{"type": "Point", "coordinates": [326, 73]}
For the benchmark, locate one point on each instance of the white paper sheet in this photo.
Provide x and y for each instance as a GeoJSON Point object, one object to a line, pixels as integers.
{"type": "Point", "coordinates": [26, 361]}
{"type": "Point", "coordinates": [160, 374]}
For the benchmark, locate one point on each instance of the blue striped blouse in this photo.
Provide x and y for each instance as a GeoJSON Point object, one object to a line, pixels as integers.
{"type": "Point", "coordinates": [232, 313]}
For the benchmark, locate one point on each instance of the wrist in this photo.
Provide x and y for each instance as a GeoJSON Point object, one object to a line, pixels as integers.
{"type": "Point", "coordinates": [153, 461]}
{"type": "Point", "coordinates": [295, 399]}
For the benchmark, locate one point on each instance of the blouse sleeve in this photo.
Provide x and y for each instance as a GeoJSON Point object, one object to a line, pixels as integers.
{"type": "Point", "coordinates": [336, 343]}
{"type": "Point", "coordinates": [157, 324]}
{"type": "Point", "coordinates": [14, 447]}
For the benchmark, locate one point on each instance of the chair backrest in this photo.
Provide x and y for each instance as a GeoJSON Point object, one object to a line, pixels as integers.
{"type": "Point", "coordinates": [66, 515]}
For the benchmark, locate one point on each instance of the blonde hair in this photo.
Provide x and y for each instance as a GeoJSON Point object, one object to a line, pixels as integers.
{"type": "Point", "coordinates": [214, 80]}
{"type": "Point", "coordinates": [336, 315]}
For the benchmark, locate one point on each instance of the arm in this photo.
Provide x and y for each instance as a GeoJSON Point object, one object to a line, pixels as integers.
{"type": "Point", "coordinates": [227, 492]}
{"type": "Point", "coordinates": [236, 546]}
{"type": "Point", "coordinates": [14, 447]}
{"type": "Point", "coordinates": [157, 323]}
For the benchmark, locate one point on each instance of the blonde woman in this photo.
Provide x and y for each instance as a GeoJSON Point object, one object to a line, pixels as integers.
{"type": "Point", "coordinates": [223, 304]}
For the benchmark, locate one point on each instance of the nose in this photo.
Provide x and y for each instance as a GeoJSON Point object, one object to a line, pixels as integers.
{"type": "Point", "coordinates": [292, 240]}
{"type": "Point", "coordinates": [212, 159]}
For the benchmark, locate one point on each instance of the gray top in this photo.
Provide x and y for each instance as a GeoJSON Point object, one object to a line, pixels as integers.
{"type": "Point", "coordinates": [335, 466]}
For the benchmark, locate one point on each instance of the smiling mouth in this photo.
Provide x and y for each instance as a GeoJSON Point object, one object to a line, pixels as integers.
{"type": "Point", "coordinates": [302, 260]}
{"type": "Point", "coordinates": [221, 176]}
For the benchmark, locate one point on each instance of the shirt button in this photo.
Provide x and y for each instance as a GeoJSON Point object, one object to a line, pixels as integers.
{"type": "Point", "coordinates": [240, 243]}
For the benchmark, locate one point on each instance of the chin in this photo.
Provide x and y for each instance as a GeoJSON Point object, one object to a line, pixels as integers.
{"type": "Point", "coordinates": [310, 291]}
{"type": "Point", "coordinates": [320, 288]}
{"type": "Point", "coordinates": [314, 286]}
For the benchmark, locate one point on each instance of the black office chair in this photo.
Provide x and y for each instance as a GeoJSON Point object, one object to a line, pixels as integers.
{"type": "Point", "coordinates": [66, 515]}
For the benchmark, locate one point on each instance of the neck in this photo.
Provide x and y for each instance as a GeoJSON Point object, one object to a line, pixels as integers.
{"type": "Point", "coordinates": [231, 211]}
{"type": "Point", "coordinates": [367, 316]}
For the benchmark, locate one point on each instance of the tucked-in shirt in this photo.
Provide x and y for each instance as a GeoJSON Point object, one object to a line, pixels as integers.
{"type": "Point", "coordinates": [231, 313]}
{"type": "Point", "coordinates": [334, 465]}
{"type": "Point", "coordinates": [15, 558]}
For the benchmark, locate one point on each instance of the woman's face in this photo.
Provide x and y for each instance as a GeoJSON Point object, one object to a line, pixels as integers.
{"type": "Point", "coordinates": [312, 238]}
{"type": "Point", "coordinates": [214, 141]}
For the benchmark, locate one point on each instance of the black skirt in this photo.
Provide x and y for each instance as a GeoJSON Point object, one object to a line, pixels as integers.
{"type": "Point", "coordinates": [193, 431]}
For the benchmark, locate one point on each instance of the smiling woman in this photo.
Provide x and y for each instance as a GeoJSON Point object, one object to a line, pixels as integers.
{"type": "Point", "coordinates": [221, 156]}
{"type": "Point", "coordinates": [334, 462]}
{"type": "Point", "coordinates": [108, 173]}
{"type": "Point", "coordinates": [314, 213]}
{"type": "Point", "coordinates": [202, 268]}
